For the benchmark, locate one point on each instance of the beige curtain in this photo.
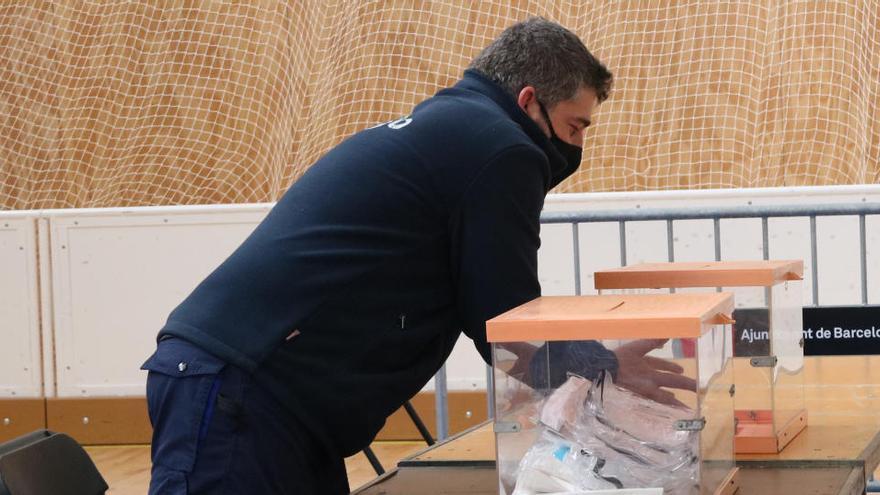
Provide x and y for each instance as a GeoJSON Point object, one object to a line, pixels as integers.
{"type": "Point", "coordinates": [108, 103]}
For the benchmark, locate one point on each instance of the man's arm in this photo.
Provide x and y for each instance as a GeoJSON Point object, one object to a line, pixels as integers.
{"type": "Point", "coordinates": [495, 239]}
{"type": "Point", "coordinates": [496, 236]}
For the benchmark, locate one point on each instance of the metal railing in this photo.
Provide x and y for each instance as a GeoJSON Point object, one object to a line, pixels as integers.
{"type": "Point", "coordinates": [671, 215]}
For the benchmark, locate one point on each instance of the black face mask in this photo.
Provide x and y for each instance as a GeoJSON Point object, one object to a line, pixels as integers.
{"type": "Point", "coordinates": [570, 153]}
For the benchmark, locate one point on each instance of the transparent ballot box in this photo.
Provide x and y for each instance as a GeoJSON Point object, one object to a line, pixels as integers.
{"type": "Point", "coordinates": [768, 341]}
{"type": "Point", "coordinates": [589, 396]}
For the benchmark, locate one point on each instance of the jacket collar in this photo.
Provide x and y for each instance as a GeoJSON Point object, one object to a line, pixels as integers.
{"type": "Point", "coordinates": [475, 81]}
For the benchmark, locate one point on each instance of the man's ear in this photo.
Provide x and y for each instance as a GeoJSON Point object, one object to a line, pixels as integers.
{"type": "Point", "coordinates": [526, 96]}
{"type": "Point", "coordinates": [528, 101]}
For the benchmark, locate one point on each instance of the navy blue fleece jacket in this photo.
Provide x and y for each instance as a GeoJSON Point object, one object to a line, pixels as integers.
{"type": "Point", "coordinates": [351, 293]}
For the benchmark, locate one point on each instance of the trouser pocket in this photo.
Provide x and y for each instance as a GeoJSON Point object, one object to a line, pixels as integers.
{"type": "Point", "coordinates": [182, 387]}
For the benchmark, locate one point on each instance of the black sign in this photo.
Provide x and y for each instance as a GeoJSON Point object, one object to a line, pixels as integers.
{"type": "Point", "coordinates": [751, 336]}
{"type": "Point", "coordinates": [828, 331]}
{"type": "Point", "coordinates": [842, 330]}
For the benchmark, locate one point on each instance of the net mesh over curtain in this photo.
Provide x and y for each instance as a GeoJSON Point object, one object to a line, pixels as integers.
{"type": "Point", "coordinates": [119, 103]}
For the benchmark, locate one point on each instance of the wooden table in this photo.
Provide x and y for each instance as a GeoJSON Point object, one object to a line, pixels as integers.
{"type": "Point", "coordinates": [465, 464]}
{"type": "Point", "coordinates": [842, 396]}
{"type": "Point", "coordinates": [439, 471]}
{"type": "Point", "coordinates": [835, 454]}
{"type": "Point", "coordinates": [474, 447]}
{"type": "Point", "coordinates": [819, 445]}
{"type": "Point", "coordinates": [455, 480]}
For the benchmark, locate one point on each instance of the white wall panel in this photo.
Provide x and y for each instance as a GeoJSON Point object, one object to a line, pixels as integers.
{"type": "Point", "coordinates": [790, 240]}
{"type": "Point", "coordinates": [47, 315]}
{"type": "Point", "coordinates": [556, 260]}
{"type": "Point", "coordinates": [741, 239]}
{"type": "Point", "coordinates": [115, 279]}
{"type": "Point", "coordinates": [465, 369]}
{"type": "Point", "coordinates": [599, 246]}
{"type": "Point", "coordinates": [116, 273]}
{"type": "Point", "coordinates": [646, 242]}
{"type": "Point", "coordinates": [838, 261]}
{"type": "Point", "coordinates": [21, 373]}
{"type": "Point", "coordinates": [872, 240]}
{"type": "Point", "coordinates": [693, 240]}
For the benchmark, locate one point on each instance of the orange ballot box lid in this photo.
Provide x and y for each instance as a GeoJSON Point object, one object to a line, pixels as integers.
{"type": "Point", "coordinates": [701, 274]}
{"type": "Point", "coordinates": [634, 316]}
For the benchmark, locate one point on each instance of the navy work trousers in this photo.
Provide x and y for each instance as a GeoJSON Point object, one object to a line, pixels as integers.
{"type": "Point", "coordinates": [215, 431]}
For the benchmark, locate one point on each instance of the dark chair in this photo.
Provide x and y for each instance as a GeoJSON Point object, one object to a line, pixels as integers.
{"type": "Point", "coordinates": [47, 463]}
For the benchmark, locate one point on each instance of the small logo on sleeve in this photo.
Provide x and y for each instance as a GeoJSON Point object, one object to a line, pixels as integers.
{"type": "Point", "coordinates": [395, 124]}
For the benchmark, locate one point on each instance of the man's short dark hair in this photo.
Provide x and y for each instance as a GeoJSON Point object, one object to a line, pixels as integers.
{"type": "Point", "coordinates": [540, 53]}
